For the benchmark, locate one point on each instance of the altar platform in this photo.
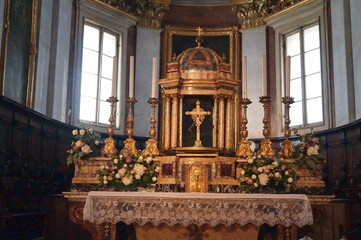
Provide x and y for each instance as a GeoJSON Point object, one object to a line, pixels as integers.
{"type": "Point", "coordinates": [157, 215]}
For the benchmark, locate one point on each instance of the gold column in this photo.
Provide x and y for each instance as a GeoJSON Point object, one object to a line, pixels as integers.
{"type": "Point", "coordinates": [174, 127]}
{"type": "Point", "coordinates": [221, 122]}
{"type": "Point", "coordinates": [167, 122]}
{"type": "Point", "coordinates": [215, 111]}
{"type": "Point", "coordinates": [236, 117]}
{"type": "Point", "coordinates": [152, 144]}
{"type": "Point", "coordinates": [109, 149]}
{"type": "Point", "coordinates": [266, 144]}
{"type": "Point", "coordinates": [244, 149]}
{"type": "Point", "coordinates": [228, 122]}
{"type": "Point", "coordinates": [180, 134]}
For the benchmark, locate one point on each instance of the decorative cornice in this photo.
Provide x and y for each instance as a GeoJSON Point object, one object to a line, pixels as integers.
{"type": "Point", "coordinates": [149, 12]}
{"type": "Point", "coordinates": [253, 13]}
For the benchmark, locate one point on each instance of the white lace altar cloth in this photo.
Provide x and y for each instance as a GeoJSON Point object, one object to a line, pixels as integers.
{"type": "Point", "coordinates": [198, 208]}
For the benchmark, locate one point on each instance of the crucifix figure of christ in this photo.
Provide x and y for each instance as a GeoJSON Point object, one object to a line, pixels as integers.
{"type": "Point", "coordinates": [198, 115]}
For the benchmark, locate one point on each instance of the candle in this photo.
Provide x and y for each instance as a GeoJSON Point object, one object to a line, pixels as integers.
{"type": "Point", "coordinates": [264, 75]}
{"type": "Point", "coordinates": [244, 77]}
{"type": "Point", "coordinates": [288, 75]}
{"type": "Point", "coordinates": [131, 77]}
{"type": "Point", "coordinates": [154, 72]}
{"type": "Point", "coordinates": [114, 77]}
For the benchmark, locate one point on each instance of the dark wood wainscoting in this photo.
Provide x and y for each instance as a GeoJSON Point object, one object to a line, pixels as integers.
{"type": "Point", "coordinates": [32, 168]}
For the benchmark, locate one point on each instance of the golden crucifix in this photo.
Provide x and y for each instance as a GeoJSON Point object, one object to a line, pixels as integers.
{"type": "Point", "coordinates": [199, 30]}
{"type": "Point", "coordinates": [198, 115]}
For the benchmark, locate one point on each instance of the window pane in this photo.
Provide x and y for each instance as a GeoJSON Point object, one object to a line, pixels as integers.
{"type": "Point", "coordinates": [109, 45]}
{"type": "Point", "coordinates": [107, 67]}
{"type": "Point", "coordinates": [295, 67]}
{"type": "Point", "coordinates": [87, 109]}
{"type": "Point", "coordinates": [104, 112]}
{"type": "Point", "coordinates": [105, 89]}
{"type": "Point", "coordinates": [293, 44]}
{"type": "Point", "coordinates": [313, 86]}
{"type": "Point", "coordinates": [90, 61]}
{"type": "Point", "coordinates": [314, 110]}
{"type": "Point", "coordinates": [296, 114]}
{"type": "Point", "coordinates": [91, 38]}
{"type": "Point", "coordinates": [296, 89]}
{"type": "Point", "coordinates": [89, 85]}
{"type": "Point", "coordinates": [312, 62]}
{"type": "Point", "coordinates": [311, 38]}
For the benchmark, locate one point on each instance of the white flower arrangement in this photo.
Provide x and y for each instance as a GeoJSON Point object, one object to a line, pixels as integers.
{"type": "Point", "coordinates": [86, 144]}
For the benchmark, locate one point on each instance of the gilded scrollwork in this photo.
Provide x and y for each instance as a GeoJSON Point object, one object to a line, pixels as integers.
{"type": "Point", "coordinates": [149, 12]}
{"type": "Point", "coordinates": [253, 13]}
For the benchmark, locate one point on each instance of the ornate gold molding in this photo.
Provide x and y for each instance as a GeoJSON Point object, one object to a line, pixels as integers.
{"type": "Point", "coordinates": [252, 14]}
{"type": "Point", "coordinates": [149, 12]}
{"type": "Point", "coordinates": [5, 34]}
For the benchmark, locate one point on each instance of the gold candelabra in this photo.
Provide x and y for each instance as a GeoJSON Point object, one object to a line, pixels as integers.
{"type": "Point", "coordinates": [129, 143]}
{"type": "Point", "coordinates": [287, 145]}
{"type": "Point", "coordinates": [109, 149]}
{"type": "Point", "coordinates": [152, 144]}
{"type": "Point", "coordinates": [244, 149]}
{"type": "Point", "coordinates": [266, 144]}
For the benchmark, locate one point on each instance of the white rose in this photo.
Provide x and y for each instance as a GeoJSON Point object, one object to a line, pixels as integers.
{"type": "Point", "coordinates": [121, 172]}
{"type": "Point", "coordinates": [260, 169]}
{"type": "Point", "coordinates": [253, 176]}
{"type": "Point", "coordinates": [286, 173]}
{"type": "Point", "coordinates": [140, 158]}
{"type": "Point", "coordinates": [154, 179]}
{"type": "Point", "coordinates": [75, 132]}
{"type": "Point", "coordinates": [243, 172]}
{"type": "Point", "coordinates": [90, 130]}
{"type": "Point", "coordinates": [105, 182]}
{"type": "Point", "coordinates": [255, 184]}
{"type": "Point", "coordinates": [96, 142]}
{"type": "Point", "coordinates": [149, 159]}
{"type": "Point", "coordinates": [277, 175]}
{"type": "Point", "coordinates": [86, 149]}
{"type": "Point", "coordinates": [106, 167]}
{"type": "Point", "coordinates": [82, 132]}
{"type": "Point", "coordinates": [115, 160]}
{"type": "Point", "coordinates": [105, 177]}
{"type": "Point", "coordinates": [312, 151]}
{"type": "Point", "coordinates": [250, 160]}
{"type": "Point", "coordinates": [290, 180]}
{"type": "Point", "coordinates": [275, 163]}
{"type": "Point", "coordinates": [78, 143]}
{"type": "Point", "coordinates": [138, 169]}
{"type": "Point", "coordinates": [127, 180]}
{"type": "Point", "coordinates": [137, 176]}
{"type": "Point", "coordinates": [102, 167]}
{"type": "Point", "coordinates": [263, 179]}
{"type": "Point", "coordinates": [157, 169]}
{"type": "Point", "coordinates": [117, 175]}
{"type": "Point", "coordinates": [125, 165]}
{"type": "Point", "coordinates": [120, 156]}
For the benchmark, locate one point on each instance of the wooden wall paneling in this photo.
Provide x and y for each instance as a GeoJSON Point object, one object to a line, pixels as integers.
{"type": "Point", "coordinates": [353, 140]}
{"type": "Point", "coordinates": [335, 153]}
{"type": "Point", "coordinates": [35, 137]}
{"type": "Point", "coordinates": [49, 143]}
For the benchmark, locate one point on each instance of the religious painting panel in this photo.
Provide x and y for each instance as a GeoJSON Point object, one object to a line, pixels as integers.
{"type": "Point", "coordinates": [18, 50]}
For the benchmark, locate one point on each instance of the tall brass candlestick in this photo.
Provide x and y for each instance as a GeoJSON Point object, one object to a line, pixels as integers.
{"type": "Point", "coordinates": [244, 149]}
{"type": "Point", "coordinates": [129, 143]}
{"type": "Point", "coordinates": [287, 145]}
{"type": "Point", "coordinates": [152, 144]}
{"type": "Point", "coordinates": [266, 144]}
{"type": "Point", "coordinates": [109, 149]}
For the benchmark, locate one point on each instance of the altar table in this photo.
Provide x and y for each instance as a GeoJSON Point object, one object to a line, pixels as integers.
{"type": "Point", "coordinates": [108, 208]}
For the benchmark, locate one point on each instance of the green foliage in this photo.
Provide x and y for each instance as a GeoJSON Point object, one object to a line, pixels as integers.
{"type": "Point", "coordinates": [86, 144]}
{"type": "Point", "coordinates": [129, 172]}
{"type": "Point", "coordinates": [266, 174]}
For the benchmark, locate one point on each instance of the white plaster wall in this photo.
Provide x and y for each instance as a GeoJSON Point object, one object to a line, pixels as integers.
{"type": "Point", "coordinates": [58, 79]}
{"type": "Point", "coordinates": [340, 60]}
{"type": "Point", "coordinates": [148, 46]}
{"type": "Point", "coordinates": [355, 8]}
{"type": "Point", "coordinates": [43, 56]}
{"type": "Point", "coordinates": [254, 47]}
